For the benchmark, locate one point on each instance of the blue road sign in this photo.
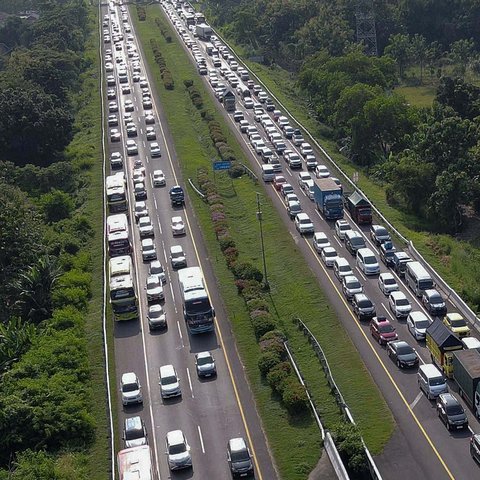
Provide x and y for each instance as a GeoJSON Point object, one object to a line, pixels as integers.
{"type": "Point", "coordinates": [222, 165]}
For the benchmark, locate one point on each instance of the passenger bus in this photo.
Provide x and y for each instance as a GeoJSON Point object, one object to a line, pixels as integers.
{"type": "Point", "coordinates": [123, 295]}
{"type": "Point", "coordinates": [118, 235]}
{"type": "Point", "coordinates": [135, 463]}
{"type": "Point", "coordinates": [197, 309]}
{"type": "Point", "coordinates": [116, 192]}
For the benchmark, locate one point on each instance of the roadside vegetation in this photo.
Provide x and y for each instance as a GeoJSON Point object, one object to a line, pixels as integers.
{"type": "Point", "coordinates": [53, 421]}
{"type": "Point", "coordinates": [294, 291]}
{"type": "Point", "coordinates": [416, 149]}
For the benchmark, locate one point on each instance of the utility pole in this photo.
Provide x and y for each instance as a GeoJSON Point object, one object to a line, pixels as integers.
{"type": "Point", "coordinates": [259, 217]}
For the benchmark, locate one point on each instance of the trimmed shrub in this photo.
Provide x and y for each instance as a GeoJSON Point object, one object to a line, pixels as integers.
{"type": "Point", "coordinates": [257, 304]}
{"type": "Point", "coordinates": [274, 334]}
{"type": "Point", "coordinates": [247, 271]}
{"type": "Point", "coordinates": [236, 170]}
{"type": "Point", "coordinates": [294, 396]}
{"type": "Point", "coordinates": [217, 207]}
{"type": "Point", "coordinates": [252, 292]}
{"type": "Point", "coordinates": [277, 376]}
{"type": "Point", "coordinates": [263, 324]}
{"type": "Point", "coordinates": [188, 83]}
{"type": "Point", "coordinates": [227, 243]}
{"type": "Point", "coordinates": [274, 344]}
{"type": "Point", "coordinates": [349, 444]}
{"type": "Point", "coordinates": [267, 361]}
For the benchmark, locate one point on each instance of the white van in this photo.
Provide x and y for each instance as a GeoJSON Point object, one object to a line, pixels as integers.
{"type": "Point", "coordinates": [268, 173]}
{"type": "Point", "coordinates": [417, 278]}
{"type": "Point", "coordinates": [367, 262]}
{"type": "Point", "coordinates": [431, 381]}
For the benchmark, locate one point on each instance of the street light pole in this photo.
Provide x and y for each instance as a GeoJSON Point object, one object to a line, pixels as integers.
{"type": "Point", "coordinates": [259, 217]}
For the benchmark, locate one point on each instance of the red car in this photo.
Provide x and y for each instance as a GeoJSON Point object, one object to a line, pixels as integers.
{"type": "Point", "coordinates": [278, 181]}
{"type": "Point", "coordinates": [382, 330]}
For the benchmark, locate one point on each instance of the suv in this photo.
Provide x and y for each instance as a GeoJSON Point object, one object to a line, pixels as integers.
{"type": "Point", "coordinates": [399, 304]}
{"type": "Point", "coordinates": [239, 458]}
{"type": "Point", "coordinates": [169, 382]}
{"type": "Point", "coordinates": [351, 286]}
{"type": "Point", "coordinates": [434, 303]}
{"type": "Point", "coordinates": [303, 224]}
{"type": "Point", "coordinates": [131, 389]}
{"type": "Point", "coordinates": [341, 268]}
{"type": "Point", "coordinates": [178, 450]}
{"type": "Point", "coordinates": [382, 330]}
{"type": "Point", "coordinates": [177, 256]}
{"type": "Point", "coordinates": [367, 262]}
{"type": "Point", "coordinates": [341, 226]}
{"type": "Point", "coordinates": [149, 251]}
{"type": "Point", "coordinates": [134, 432]}
{"type": "Point", "coordinates": [451, 412]}
{"type": "Point", "coordinates": [363, 307]}
{"type": "Point", "coordinates": [379, 234]}
{"type": "Point", "coordinates": [354, 241]}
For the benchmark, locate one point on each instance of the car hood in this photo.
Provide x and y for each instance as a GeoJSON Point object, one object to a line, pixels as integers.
{"type": "Point", "coordinates": [243, 465]}
{"type": "Point", "coordinates": [179, 458]}
{"type": "Point", "coordinates": [206, 368]}
{"type": "Point", "coordinates": [138, 442]}
{"type": "Point", "coordinates": [407, 357]}
{"type": "Point", "coordinates": [172, 387]}
{"type": "Point", "coordinates": [461, 418]}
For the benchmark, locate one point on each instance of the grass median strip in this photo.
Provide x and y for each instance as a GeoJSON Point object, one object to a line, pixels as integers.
{"type": "Point", "coordinates": [295, 291]}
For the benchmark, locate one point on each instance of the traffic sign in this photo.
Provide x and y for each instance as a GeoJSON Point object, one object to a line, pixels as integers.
{"type": "Point", "coordinates": [222, 165]}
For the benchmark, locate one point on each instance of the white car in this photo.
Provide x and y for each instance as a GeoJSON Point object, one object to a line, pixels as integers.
{"type": "Point", "coordinates": [399, 304]}
{"type": "Point", "coordinates": [141, 210]}
{"type": "Point", "coordinates": [129, 107]}
{"type": "Point", "coordinates": [387, 283]}
{"type": "Point", "coordinates": [303, 224]}
{"type": "Point", "coordinates": [321, 171]}
{"type": "Point", "coordinates": [115, 135]}
{"type": "Point", "coordinates": [302, 178]}
{"type": "Point", "coordinates": [169, 382]}
{"type": "Point", "coordinates": [149, 119]}
{"type": "Point", "coordinates": [156, 268]}
{"type": "Point", "coordinates": [177, 256]}
{"type": "Point", "coordinates": [341, 268]}
{"type": "Point", "coordinates": [155, 150]}
{"type": "Point", "coordinates": [156, 317]}
{"type": "Point", "coordinates": [145, 227]}
{"type": "Point", "coordinates": [158, 178]}
{"type": "Point", "coordinates": [342, 226]}
{"type": "Point", "coordinates": [417, 323]}
{"type": "Point", "coordinates": [178, 450]}
{"type": "Point", "coordinates": [116, 160]}
{"type": "Point", "coordinates": [113, 107]}
{"type": "Point", "coordinates": [131, 389]}
{"type": "Point", "coordinates": [112, 121]}
{"type": "Point", "coordinates": [320, 241]}
{"type": "Point", "coordinates": [154, 288]}
{"type": "Point", "coordinates": [138, 175]}
{"type": "Point", "coordinates": [132, 148]}
{"type": "Point", "coordinates": [329, 254]}
{"type": "Point", "coordinates": [351, 286]}
{"type": "Point", "coordinates": [306, 149]}
{"type": "Point", "coordinates": [178, 227]}
{"type": "Point", "coordinates": [149, 252]}
{"type": "Point", "coordinates": [150, 132]}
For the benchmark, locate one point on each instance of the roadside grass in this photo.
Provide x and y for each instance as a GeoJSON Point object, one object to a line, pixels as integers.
{"type": "Point", "coordinates": [455, 259]}
{"type": "Point", "coordinates": [295, 291]}
{"type": "Point", "coordinates": [85, 148]}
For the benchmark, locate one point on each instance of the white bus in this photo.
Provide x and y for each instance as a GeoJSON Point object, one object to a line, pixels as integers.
{"type": "Point", "coordinates": [116, 191]}
{"type": "Point", "coordinates": [120, 266]}
{"type": "Point", "coordinates": [135, 463]}
{"type": "Point", "coordinates": [417, 278]}
{"type": "Point", "coordinates": [197, 309]}
{"type": "Point", "coordinates": [118, 235]}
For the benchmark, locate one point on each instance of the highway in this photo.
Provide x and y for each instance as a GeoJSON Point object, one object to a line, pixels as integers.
{"type": "Point", "coordinates": [421, 446]}
{"type": "Point", "coordinates": [210, 411]}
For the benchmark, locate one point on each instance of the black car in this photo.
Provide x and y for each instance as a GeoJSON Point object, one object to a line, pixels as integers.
{"type": "Point", "coordinates": [379, 234]}
{"type": "Point", "coordinates": [434, 303]}
{"type": "Point", "coordinates": [402, 354]}
{"type": "Point", "coordinates": [386, 253]}
{"type": "Point", "coordinates": [363, 307]}
{"type": "Point", "coordinates": [451, 412]}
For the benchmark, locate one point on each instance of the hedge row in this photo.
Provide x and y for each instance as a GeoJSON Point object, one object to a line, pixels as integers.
{"type": "Point", "coordinates": [160, 61]}
{"type": "Point", "coordinates": [141, 13]}
{"type": "Point", "coordinates": [216, 133]}
{"type": "Point", "coordinates": [165, 34]}
{"type": "Point", "coordinates": [272, 362]}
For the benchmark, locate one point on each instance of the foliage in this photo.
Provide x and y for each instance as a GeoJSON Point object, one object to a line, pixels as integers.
{"type": "Point", "coordinates": [247, 271]}
{"type": "Point", "coordinates": [294, 396]}
{"type": "Point", "coordinates": [267, 361]}
{"type": "Point", "coordinates": [56, 205]}
{"type": "Point", "coordinates": [350, 447]}
{"type": "Point", "coordinates": [263, 323]}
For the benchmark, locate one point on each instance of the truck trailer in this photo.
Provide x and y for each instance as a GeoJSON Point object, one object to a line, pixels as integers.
{"type": "Point", "coordinates": [328, 198]}
{"type": "Point", "coordinates": [466, 373]}
{"type": "Point", "coordinates": [359, 208]}
{"type": "Point", "coordinates": [204, 31]}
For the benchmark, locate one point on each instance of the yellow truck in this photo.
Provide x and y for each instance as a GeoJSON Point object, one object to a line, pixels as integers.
{"type": "Point", "coordinates": [442, 343]}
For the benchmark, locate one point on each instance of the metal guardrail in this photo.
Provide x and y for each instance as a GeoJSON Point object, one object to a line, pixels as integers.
{"type": "Point", "coordinates": [250, 172]}
{"type": "Point", "coordinates": [334, 457]}
{"type": "Point", "coordinates": [197, 191]}
{"type": "Point", "coordinates": [374, 472]}
{"type": "Point", "coordinates": [462, 306]}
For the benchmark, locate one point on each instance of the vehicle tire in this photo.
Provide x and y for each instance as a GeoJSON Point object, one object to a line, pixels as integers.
{"type": "Point", "coordinates": [379, 341]}
{"type": "Point", "coordinates": [399, 365]}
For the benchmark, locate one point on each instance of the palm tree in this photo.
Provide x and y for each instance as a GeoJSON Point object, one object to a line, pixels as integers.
{"type": "Point", "coordinates": [15, 338]}
{"type": "Point", "coordinates": [35, 288]}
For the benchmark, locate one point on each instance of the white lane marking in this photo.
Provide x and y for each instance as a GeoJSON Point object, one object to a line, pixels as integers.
{"type": "Point", "coordinates": [146, 158]}
{"type": "Point", "coordinates": [190, 382]}
{"type": "Point", "coordinates": [144, 144]}
{"type": "Point", "coordinates": [155, 203]}
{"type": "Point", "coordinates": [141, 131]}
{"type": "Point", "coordinates": [388, 311]}
{"type": "Point", "coordinates": [338, 241]}
{"type": "Point", "coordinates": [180, 333]}
{"type": "Point", "coordinates": [361, 274]}
{"type": "Point", "coordinates": [173, 295]}
{"type": "Point", "coordinates": [417, 399]}
{"type": "Point", "coordinates": [201, 438]}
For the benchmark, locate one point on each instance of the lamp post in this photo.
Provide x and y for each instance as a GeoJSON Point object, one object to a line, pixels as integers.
{"type": "Point", "coordinates": [259, 217]}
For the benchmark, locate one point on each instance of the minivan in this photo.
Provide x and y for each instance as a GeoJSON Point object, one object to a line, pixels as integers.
{"type": "Point", "coordinates": [134, 432]}
{"type": "Point", "coordinates": [417, 278]}
{"type": "Point", "coordinates": [354, 241]}
{"type": "Point", "coordinates": [431, 381]}
{"type": "Point", "coordinates": [268, 173]}
{"type": "Point", "coordinates": [367, 262]}
{"type": "Point", "coordinates": [239, 458]}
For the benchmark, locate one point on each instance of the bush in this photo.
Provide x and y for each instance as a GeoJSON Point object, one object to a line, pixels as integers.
{"type": "Point", "coordinates": [75, 296]}
{"type": "Point", "coordinates": [263, 324]}
{"type": "Point", "coordinates": [236, 171]}
{"type": "Point", "coordinates": [56, 205]}
{"type": "Point", "coordinates": [188, 83]}
{"type": "Point", "coordinates": [274, 335]}
{"type": "Point", "coordinates": [350, 447]}
{"type": "Point", "coordinates": [294, 396]}
{"type": "Point", "coordinates": [267, 361]}
{"type": "Point", "coordinates": [277, 376]}
{"type": "Point", "coordinates": [257, 304]}
{"type": "Point", "coordinates": [227, 242]}
{"type": "Point", "coordinates": [273, 343]}
{"type": "Point", "coordinates": [247, 271]}
{"type": "Point", "coordinates": [252, 292]}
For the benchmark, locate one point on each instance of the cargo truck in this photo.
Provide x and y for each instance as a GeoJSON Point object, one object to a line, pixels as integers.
{"type": "Point", "coordinates": [466, 373]}
{"type": "Point", "coordinates": [328, 198]}
{"type": "Point", "coordinates": [359, 208]}
{"type": "Point", "coordinates": [204, 31]}
{"type": "Point", "coordinates": [442, 343]}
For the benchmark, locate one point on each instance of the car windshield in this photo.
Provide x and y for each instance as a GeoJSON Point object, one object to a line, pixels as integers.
{"type": "Point", "coordinates": [134, 434]}
{"type": "Point", "coordinates": [344, 268]}
{"type": "Point", "coordinates": [330, 254]}
{"type": "Point", "coordinates": [130, 387]}
{"type": "Point", "coordinates": [381, 232]}
{"type": "Point", "coordinates": [404, 350]}
{"type": "Point", "coordinates": [176, 449]}
{"type": "Point", "coordinates": [389, 281]}
{"type": "Point", "coordinates": [436, 299]}
{"type": "Point", "coordinates": [436, 381]}
{"type": "Point", "coordinates": [458, 323]}
{"type": "Point", "coordinates": [385, 328]}
{"type": "Point", "coordinates": [422, 324]}
{"type": "Point", "coordinates": [365, 303]}
{"type": "Point", "coordinates": [152, 283]}
{"type": "Point", "coordinates": [344, 227]}
{"type": "Point", "coordinates": [204, 360]}
{"type": "Point", "coordinates": [370, 260]}
{"type": "Point", "coordinates": [305, 221]}
{"type": "Point", "coordinates": [169, 380]}
{"type": "Point", "coordinates": [454, 409]}
{"type": "Point", "coordinates": [240, 456]}
{"type": "Point", "coordinates": [357, 241]}
{"type": "Point", "coordinates": [354, 284]}
{"type": "Point", "coordinates": [402, 302]}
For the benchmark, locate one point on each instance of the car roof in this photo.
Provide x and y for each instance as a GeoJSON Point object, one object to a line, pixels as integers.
{"type": "Point", "coordinates": [129, 377]}
{"type": "Point", "coordinates": [133, 423]}
{"type": "Point", "coordinates": [350, 278]}
{"type": "Point", "coordinates": [360, 296]}
{"type": "Point", "coordinates": [320, 235]}
{"type": "Point", "coordinates": [205, 354]}
{"type": "Point", "coordinates": [237, 444]}
{"type": "Point", "coordinates": [303, 216]}
{"type": "Point", "coordinates": [166, 370]}
{"type": "Point", "coordinates": [449, 399]}
{"type": "Point", "coordinates": [342, 261]}
{"type": "Point", "coordinates": [387, 275]}
{"type": "Point", "coordinates": [175, 437]}
{"type": "Point", "coordinates": [176, 248]}
{"type": "Point", "coordinates": [417, 316]}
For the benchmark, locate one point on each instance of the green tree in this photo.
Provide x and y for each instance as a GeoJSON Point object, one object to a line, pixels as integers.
{"type": "Point", "coordinates": [400, 49]}
{"type": "Point", "coordinates": [419, 50]}
{"type": "Point", "coordinates": [463, 97]}
{"type": "Point", "coordinates": [461, 52]}
{"type": "Point", "coordinates": [57, 205]}
{"type": "Point", "coordinates": [15, 338]}
{"type": "Point", "coordinates": [35, 287]}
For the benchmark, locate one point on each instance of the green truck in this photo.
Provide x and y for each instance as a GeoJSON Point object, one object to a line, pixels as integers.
{"type": "Point", "coordinates": [466, 373]}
